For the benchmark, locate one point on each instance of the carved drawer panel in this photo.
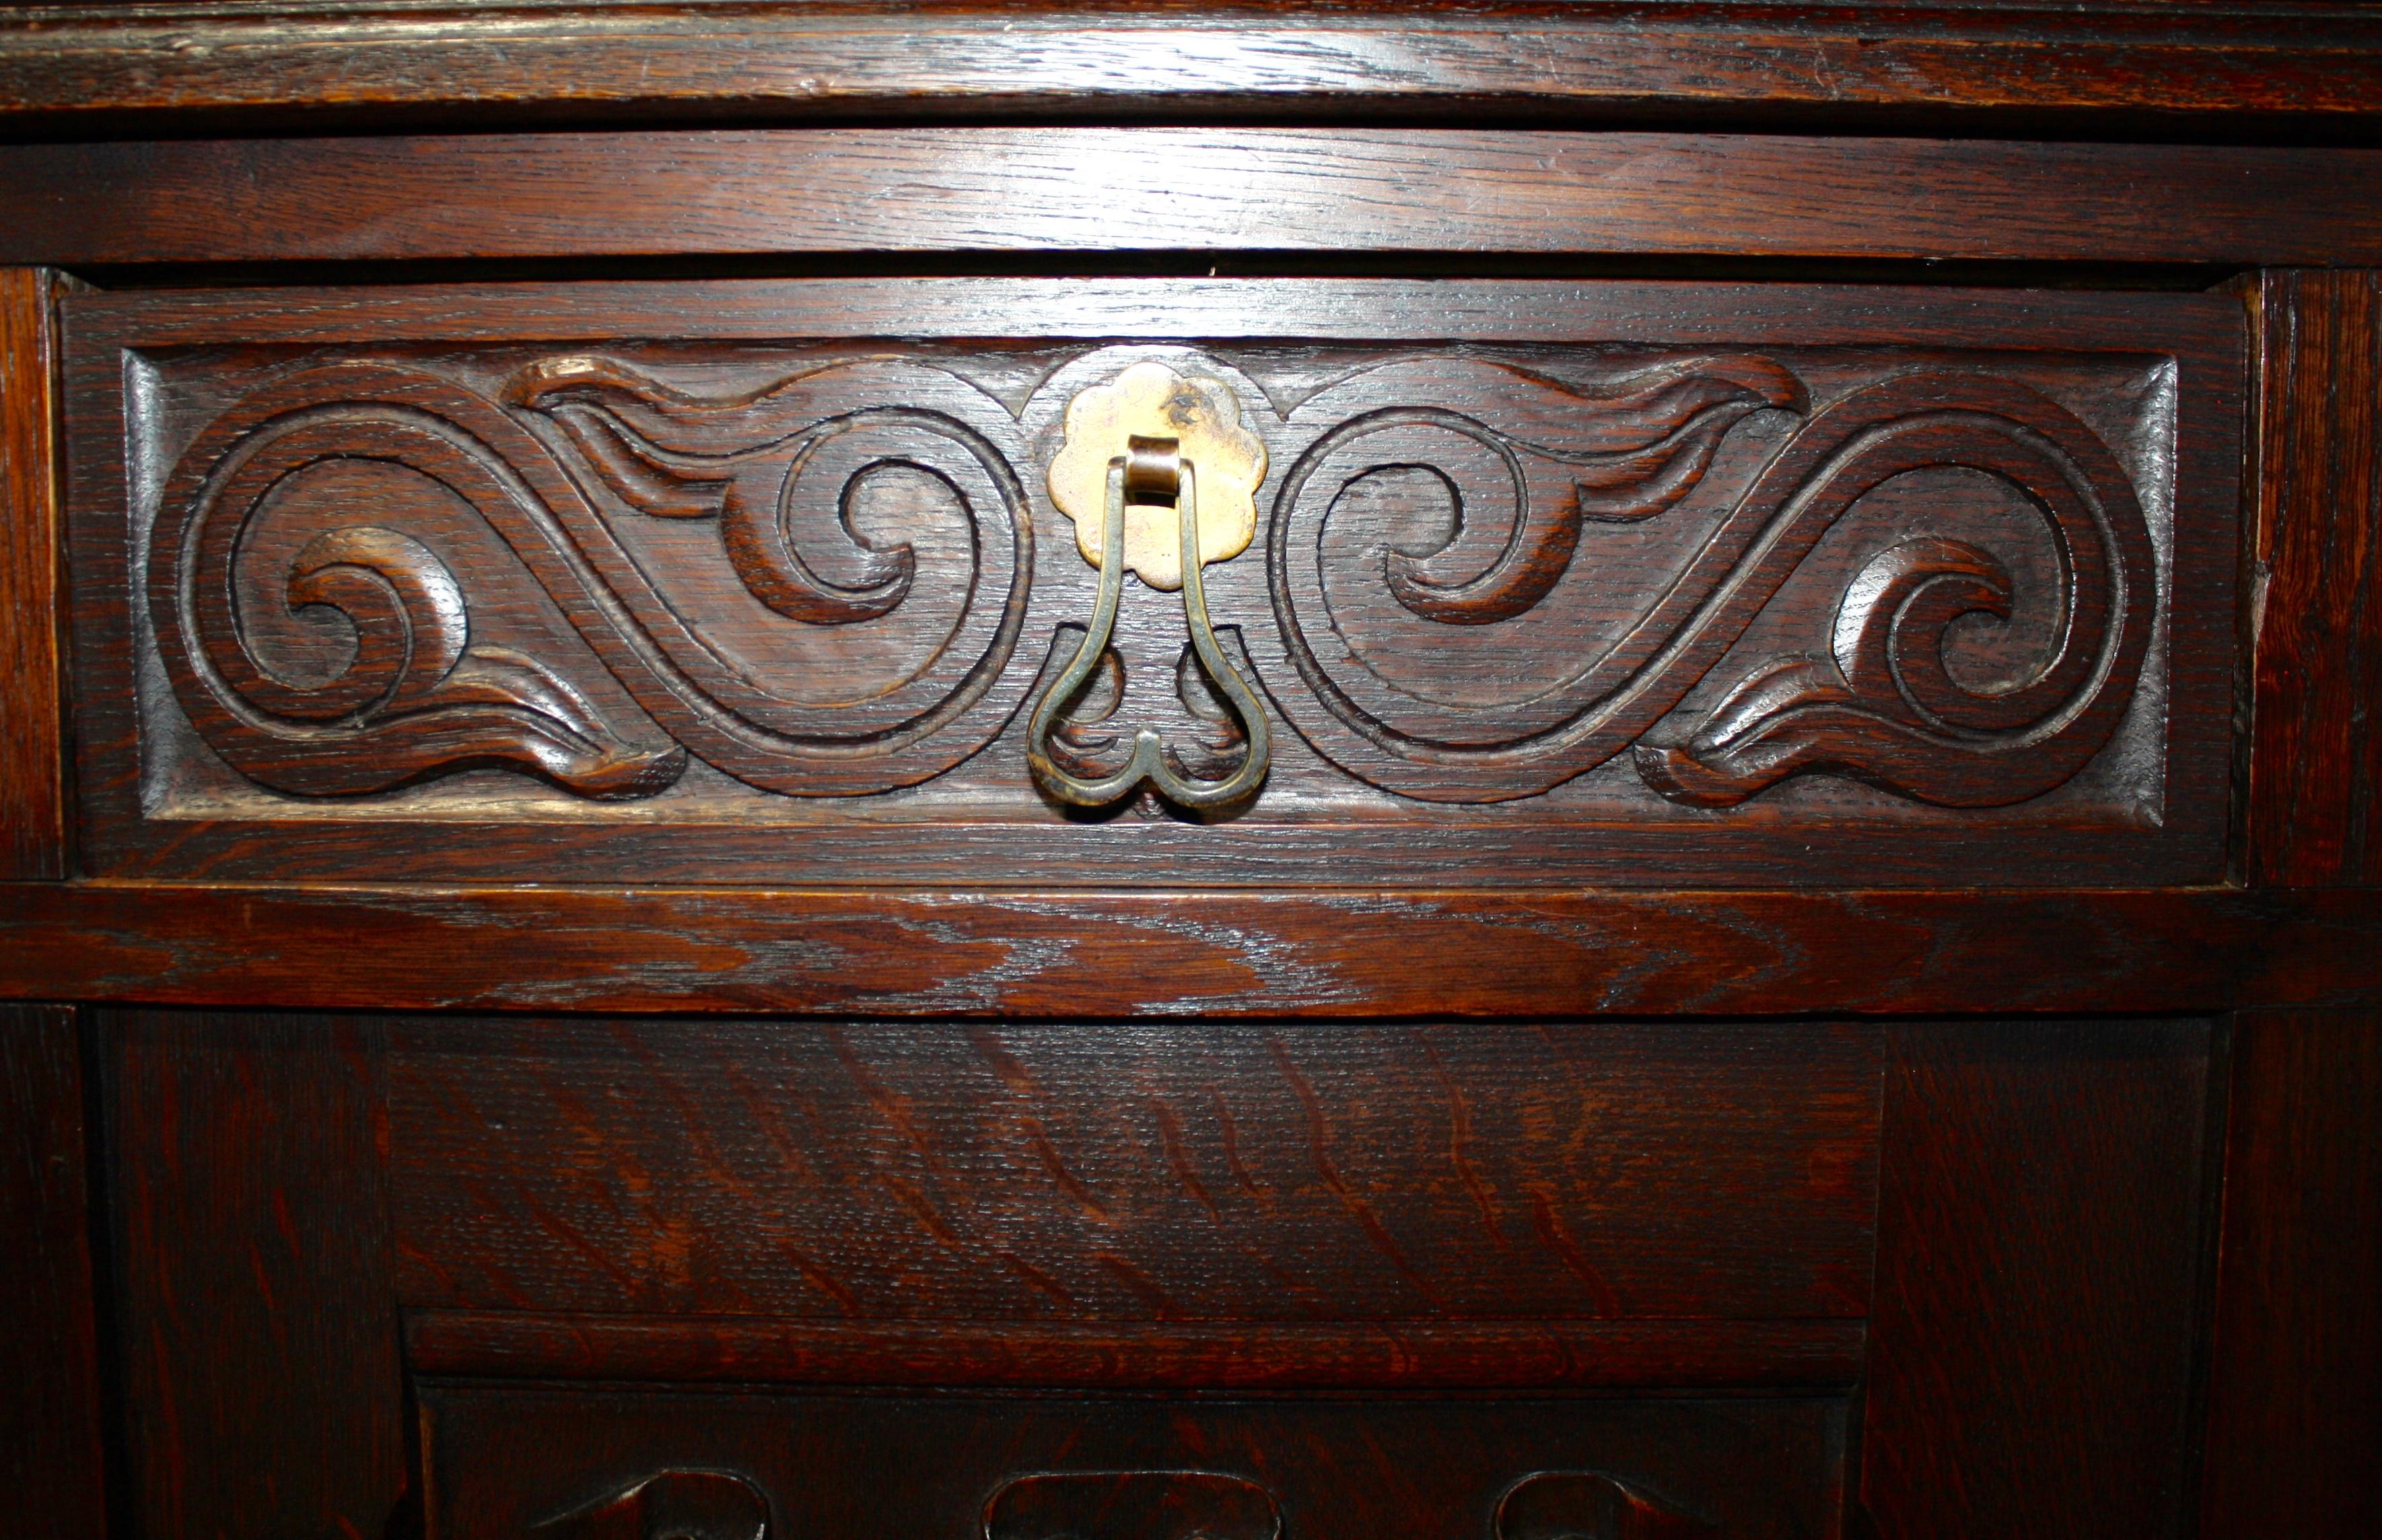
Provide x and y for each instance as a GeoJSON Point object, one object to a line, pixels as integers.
{"type": "Point", "coordinates": [594, 1464]}
{"type": "Point", "coordinates": [1494, 582]}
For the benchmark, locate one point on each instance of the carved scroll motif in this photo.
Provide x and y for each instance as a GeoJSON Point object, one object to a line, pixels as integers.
{"type": "Point", "coordinates": [1880, 704]}
{"type": "Point", "coordinates": [1475, 582]}
{"type": "Point", "coordinates": [775, 472]}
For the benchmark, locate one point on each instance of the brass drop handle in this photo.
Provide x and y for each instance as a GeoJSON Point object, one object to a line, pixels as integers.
{"type": "Point", "coordinates": [1149, 471]}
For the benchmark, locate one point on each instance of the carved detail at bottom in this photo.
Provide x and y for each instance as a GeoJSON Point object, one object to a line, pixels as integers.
{"type": "Point", "coordinates": [1131, 1505]}
{"type": "Point", "coordinates": [670, 1505]}
{"type": "Point", "coordinates": [1589, 1505]}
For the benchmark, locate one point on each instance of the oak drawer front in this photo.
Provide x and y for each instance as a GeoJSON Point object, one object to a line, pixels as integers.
{"type": "Point", "coordinates": [1688, 1177]}
{"type": "Point", "coordinates": [1620, 583]}
{"type": "Point", "coordinates": [566, 1464]}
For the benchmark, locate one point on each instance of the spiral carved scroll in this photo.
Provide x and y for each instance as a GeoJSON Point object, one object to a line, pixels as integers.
{"type": "Point", "coordinates": [1484, 581]}
{"type": "Point", "coordinates": [420, 693]}
{"type": "Point", "coordinates": [1878, 702]}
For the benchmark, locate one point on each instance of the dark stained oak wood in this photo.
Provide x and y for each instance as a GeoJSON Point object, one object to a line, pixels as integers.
{"type": "Point", "coordinates": [1403, 1356]}
{"type": "Point", "coordinates": [63, 65]}
{"type": "Point", "coordinates": [32, 701]}
{"type": "Point", "coordinates": [2315, 597]}
{"type": "Point", "coordinates": [1227, 953]}
{"type": "Point", "coordinates": [2039, 1297]}
{"type": "Point", "coordinates": [2295, 1396]}
{"type": "Point", "coordinates": [1762, 599]}
{"type": "Point", "coordinates": [1795, 1101]}
{"type": "Point", "coordinates": [1182, 189]}
{"type": "Point", "coordinates": [1152, 1173]}
{"type": "Point", "coordinates": [259, 1332]}
{"type": "Point", "coordinates": [53, 1481]}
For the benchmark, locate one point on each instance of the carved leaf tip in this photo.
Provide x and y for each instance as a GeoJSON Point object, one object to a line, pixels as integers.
{"type": "Point", "coordinates": [1590, 1505]}
{"type": "Point", "coordinates": [1621, 454]}
{"type": "Point", "coordinates": [671, 1505]}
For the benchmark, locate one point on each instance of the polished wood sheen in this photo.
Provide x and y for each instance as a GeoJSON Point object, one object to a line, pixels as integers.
{"type": "Point", "coordinates": [33, 790]}
{"type": "Point", "coordinates": [62, 65]}
{"type": "Point", "coordinates": [1044, 190]}
{"type": "Point", "coordinates": [1106, 954]}
{"type": "Point", "coordinates": [2315, 766]}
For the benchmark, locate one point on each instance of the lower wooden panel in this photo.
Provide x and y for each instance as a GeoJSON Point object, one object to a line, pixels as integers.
{"type": "Point", "coordinates": [263, 1395]}
{"type": "Point", "coordinates": [51, 1481]}
{"type": "Point", "coordinates": [2296, 1384]}
{"type": "Point", "coordinates": [2042, 1246]}
{"type": "Point", "coordinates": [568, 1463]}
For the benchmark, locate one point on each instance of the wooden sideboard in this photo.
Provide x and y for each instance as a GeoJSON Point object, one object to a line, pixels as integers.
{"type": "Point", "coordinates": [1555, 773]}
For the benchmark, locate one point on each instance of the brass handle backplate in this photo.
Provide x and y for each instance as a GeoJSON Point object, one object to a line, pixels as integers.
{"type": "Point", "coordinates": [1150, 472]}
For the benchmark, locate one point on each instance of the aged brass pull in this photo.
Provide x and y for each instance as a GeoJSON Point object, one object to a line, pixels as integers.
{"type": "Point", "coordinates": [1150, 469]}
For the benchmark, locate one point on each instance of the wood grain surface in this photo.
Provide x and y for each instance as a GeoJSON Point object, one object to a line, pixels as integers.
{"type": "Point", "coordinates": [261, 1385]}
{"type": "Point", "coordinates": [2315, 597]}
{"type": "Point", "coordinates": [32, 740]}
{"type": "Point", "coordinates": [1157, 1173]}
{"type": "Point", "coordinates": [1049, 189]}
{"type": "Point", "coordinates": [2153, 67]}
{"type": "Point", "coordinates": [2040, 1289]}
{"type": "Point", "coordinates": [52, 1466]}
{"type": "Point", "coordinates": [2295, 1395]}
{"type": "Point", "coordinates": [1228, 953]}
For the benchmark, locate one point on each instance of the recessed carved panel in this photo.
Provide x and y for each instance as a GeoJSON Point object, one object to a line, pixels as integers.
{"type": "Point", "coordinates": [1611, 584]}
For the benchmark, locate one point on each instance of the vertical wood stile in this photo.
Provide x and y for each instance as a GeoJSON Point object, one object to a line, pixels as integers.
{"type": "Point", "coordinates": [262, 1389]}
{"type": "Point", "coordinates": [50, 1447]}
{"type": "Point", "coordinates": [32, 797]}
{"type": "Point", "coordinates": [2295, 1390]}
{"type": "Point", "coordinates": [2315, 755]}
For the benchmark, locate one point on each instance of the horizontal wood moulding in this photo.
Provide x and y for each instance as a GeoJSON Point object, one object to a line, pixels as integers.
{"type": "Point", "coordinates": [1503, 1355]}
{"type": "Point", "coordinates": [1218, 953]}
{"type": "Point", "coordinates": [1190, 189]}
{"type": "Point", "coordinates": [61, 60]}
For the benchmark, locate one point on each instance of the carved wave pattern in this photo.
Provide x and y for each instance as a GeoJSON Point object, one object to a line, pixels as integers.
{"type": "Point", "coordinates": [773, 472]}
{"type": "Point", "coordinates": [1485, 581]}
